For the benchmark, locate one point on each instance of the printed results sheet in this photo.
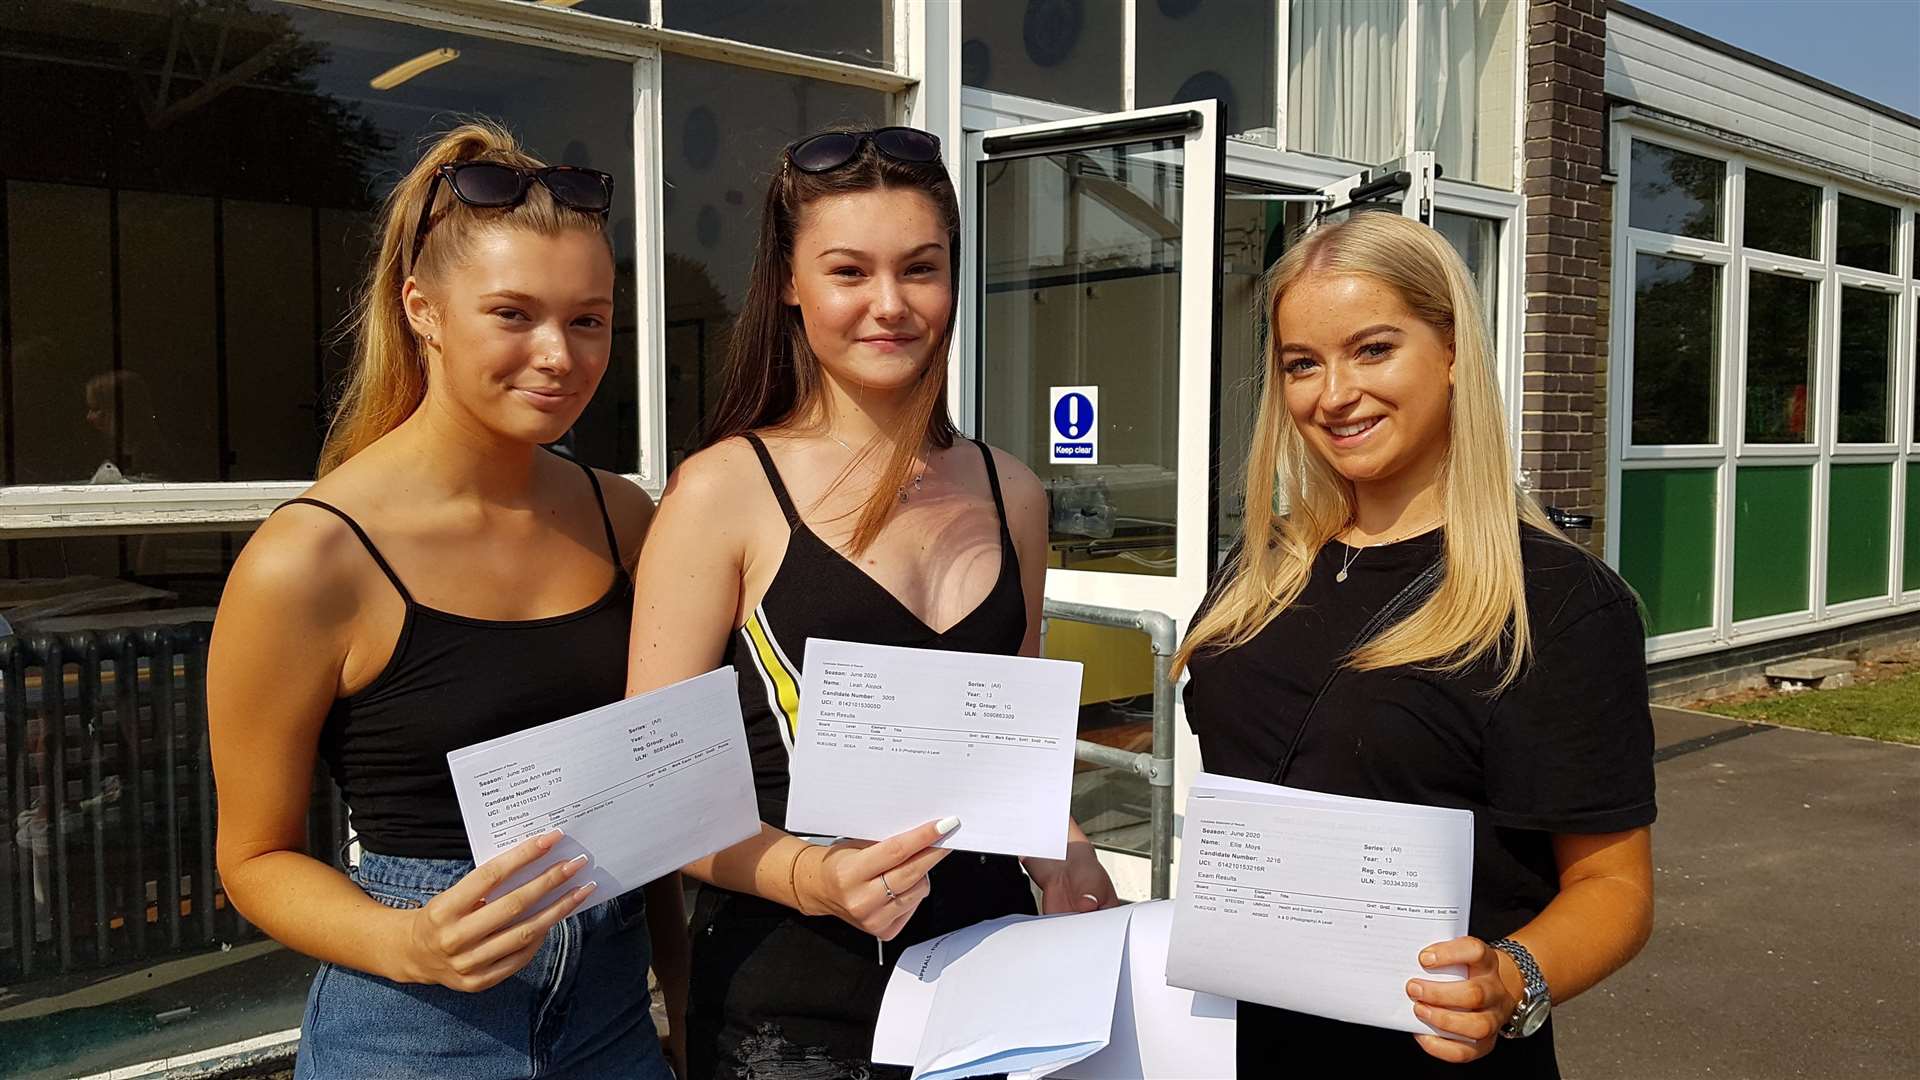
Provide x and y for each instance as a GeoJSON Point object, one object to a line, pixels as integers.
{"type": "Point", "coordinates": [893, 738]}
{"type": "Point", "coordinates": [642, 786]}
{"type": "Point", "coordinates": [1317, 903]}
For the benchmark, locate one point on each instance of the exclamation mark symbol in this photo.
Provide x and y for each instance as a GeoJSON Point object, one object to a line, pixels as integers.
{"type": "Point", "coordinates": [1073, 416]}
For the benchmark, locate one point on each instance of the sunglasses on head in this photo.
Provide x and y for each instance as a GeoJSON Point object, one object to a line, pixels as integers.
{"type": "Point", "coordinates": [494, 184]}
{"type": "Point", "coordinates": [832, 149]}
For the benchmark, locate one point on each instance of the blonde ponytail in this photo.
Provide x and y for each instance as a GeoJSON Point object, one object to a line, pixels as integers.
{"type": "Point", "coordinates": [388, 379]}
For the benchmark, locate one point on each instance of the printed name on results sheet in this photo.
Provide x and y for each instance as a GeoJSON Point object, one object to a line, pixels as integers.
{"type": "Point", "coordinates": [892, 738]}
{"type": "Point", "coordinates": [642, 786]}
{"type": "Point", "coordinates": [1317, 903]}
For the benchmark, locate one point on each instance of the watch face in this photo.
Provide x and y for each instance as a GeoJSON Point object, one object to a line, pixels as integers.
{"type": "Point", "coordinates": [1533, 1016]}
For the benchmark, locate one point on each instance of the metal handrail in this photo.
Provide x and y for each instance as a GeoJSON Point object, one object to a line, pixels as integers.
{"type": "Point", "coordinates": [1154, 766]}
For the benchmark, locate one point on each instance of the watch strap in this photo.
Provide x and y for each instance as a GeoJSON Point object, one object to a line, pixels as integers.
{"type": "Point", "coordinates": [1534, 982]}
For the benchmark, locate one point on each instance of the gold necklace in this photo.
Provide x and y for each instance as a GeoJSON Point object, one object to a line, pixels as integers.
{"type": "Point", "coordinates": [1346, 561]}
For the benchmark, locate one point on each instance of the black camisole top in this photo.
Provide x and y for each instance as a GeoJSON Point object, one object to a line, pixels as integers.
{"type": "Point", "coordinates": [453, 681]}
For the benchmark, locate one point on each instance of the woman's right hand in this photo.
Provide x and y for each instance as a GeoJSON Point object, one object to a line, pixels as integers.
{"type": "Point", "coordinates": [461, 940]}
{"type": "Point", "coordinates": [853, 878]}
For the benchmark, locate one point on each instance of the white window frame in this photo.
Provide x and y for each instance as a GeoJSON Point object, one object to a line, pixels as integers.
{"type": "Point", "coordinates": [39, 510]}
{"type": "Point", "coordinates": [1729, 454]}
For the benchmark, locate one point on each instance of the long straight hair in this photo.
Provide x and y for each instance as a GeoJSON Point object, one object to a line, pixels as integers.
{"type": "Point", "coordinates": [388, 378]}
{"type": "Point", "coordinates": [1479, 609]}
{"type": "Point", "coordinates": [773, 378]}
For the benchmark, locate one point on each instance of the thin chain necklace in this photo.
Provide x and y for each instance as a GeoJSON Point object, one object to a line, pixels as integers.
{"type": "Point", "coordinates": [1346, 561]}
{"type": "Point", "coordinates": [902, 489]}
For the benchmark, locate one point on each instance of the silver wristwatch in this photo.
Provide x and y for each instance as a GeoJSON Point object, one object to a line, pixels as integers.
{"type": "Point", "coordinates": [1535, 1002]}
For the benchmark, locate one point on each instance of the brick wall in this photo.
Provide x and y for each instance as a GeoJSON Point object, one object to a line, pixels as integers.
{"type": "Point", "coordinates": [1562, 425]}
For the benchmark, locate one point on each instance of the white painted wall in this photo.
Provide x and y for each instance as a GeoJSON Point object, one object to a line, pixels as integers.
{"type": "Point", "coordinates": [1661, 70]}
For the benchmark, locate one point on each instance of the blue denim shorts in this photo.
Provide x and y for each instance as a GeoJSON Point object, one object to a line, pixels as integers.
{"type": "Point", "coordinates": [578, 1010]}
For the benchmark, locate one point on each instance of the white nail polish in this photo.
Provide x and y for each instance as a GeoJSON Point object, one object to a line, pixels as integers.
{"type": "Point", "coordinates": [577, 860]}
{"type": "Point", "coordinates": [946, 825]}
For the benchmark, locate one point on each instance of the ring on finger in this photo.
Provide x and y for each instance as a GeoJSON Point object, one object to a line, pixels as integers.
{"type": "Point", "coordinates": [891, 895]}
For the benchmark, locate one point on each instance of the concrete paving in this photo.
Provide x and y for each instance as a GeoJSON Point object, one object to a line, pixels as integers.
{"type": "Point", "coordinates": [1787, 925]}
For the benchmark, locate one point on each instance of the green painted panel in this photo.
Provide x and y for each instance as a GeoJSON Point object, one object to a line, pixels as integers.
{"type": "Point", "coordinates": [1667, 544]}
{"type": "Point", "coordinates": [1859, 531]}
{"type": "Point", "coordinates": [1772, 540]}
{"type": "Point", "coordinates": [1911, 578]}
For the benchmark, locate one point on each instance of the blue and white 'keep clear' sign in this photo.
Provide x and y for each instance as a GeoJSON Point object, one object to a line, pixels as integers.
{"type": "Point", "coordinates": [1075, 435]}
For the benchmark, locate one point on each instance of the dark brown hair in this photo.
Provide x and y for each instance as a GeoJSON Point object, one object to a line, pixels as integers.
{"type": "Point", "coordinates": [772, 376]}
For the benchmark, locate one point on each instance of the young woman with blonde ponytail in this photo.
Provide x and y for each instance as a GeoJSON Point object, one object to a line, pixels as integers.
{"type": "Point", "coordinates": [445, 581]}
{"type": "Point", "coordinates": [834, 499]}
{"type": "Point", "coordinates": [1414, 629]}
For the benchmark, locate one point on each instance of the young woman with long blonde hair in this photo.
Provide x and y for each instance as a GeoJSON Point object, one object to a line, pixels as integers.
{"type": "Point", "coordinates": [1414, 629]}
{"type": "Point", "coordinates": [446, 581]}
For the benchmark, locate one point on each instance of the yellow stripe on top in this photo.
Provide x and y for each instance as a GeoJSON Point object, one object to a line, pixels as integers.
{"type": "Point", "coordinates": [773, 668]}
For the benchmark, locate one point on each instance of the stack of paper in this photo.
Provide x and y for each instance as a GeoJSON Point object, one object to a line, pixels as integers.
{"type": "Point", "coordinates": [1317, 903]}
{"type": "Point", "coordinates": [1068, 996]}
{"type": "Point", "coordinates": [893, 738]}
{"type": "Point", "coordinates": [642, 786]}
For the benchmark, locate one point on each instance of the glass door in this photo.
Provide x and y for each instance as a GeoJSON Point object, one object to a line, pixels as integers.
{"type": "Point", "coordinates": [1092, 269]}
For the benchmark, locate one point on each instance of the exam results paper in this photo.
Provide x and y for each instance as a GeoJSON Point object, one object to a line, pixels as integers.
{"type": "Point", "coordinates": [642, 786]}
{"type": "Point", "coordinates": [892, 738]}
{"type": "Point", "coordinates": [1317, 903]}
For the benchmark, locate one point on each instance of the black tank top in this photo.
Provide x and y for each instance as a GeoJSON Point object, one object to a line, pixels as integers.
{"type": "Point", "coordinates": [817, 592]}
{"type": "Point", "coordinates": [453, 681]}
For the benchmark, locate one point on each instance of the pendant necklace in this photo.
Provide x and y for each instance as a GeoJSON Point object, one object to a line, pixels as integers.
{"type": "Point", "coordinates": [902, 489]}
{"type": "Point", "coordinates": [1346, 561]}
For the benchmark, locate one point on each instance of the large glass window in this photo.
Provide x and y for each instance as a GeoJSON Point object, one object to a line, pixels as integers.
{"type": "Point", "coordinates": [1065, 51]}
{"type": "Point", "coordinates": [1346, 78]}
{"type": "Point", "coordinates": [1783, 348]}
{"type": "Point", "coordinates": [1868, 234]}
{"type": "Point", "coordinates": [1866, 365]}
{"type": "Point", "coordinates": [1464, 110]}
{"type": "Point", "coordinates": [1676, 351]}
{"type": "Point", "coordinates": [722, 130]}
{"type": "Point", "coordinates": [1676, 192]}
{"type": "Point", "coordinates": [854, 31]}
{"type": "Point", "coordinates": [181, 250]}
{"type": "Point", "coordinates": [1782, 216]}
{"type": "Point", "coordinates": [1190, 50]}
{"type": "Point", "coordinates": [1477, 240]}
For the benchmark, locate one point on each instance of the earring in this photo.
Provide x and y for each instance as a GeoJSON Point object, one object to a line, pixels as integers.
{"type": "Point", "coordinates": [429, 339]}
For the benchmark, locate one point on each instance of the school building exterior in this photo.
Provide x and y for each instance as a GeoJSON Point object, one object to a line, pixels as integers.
{"type": "Point", "coordinates": [1702, 271]}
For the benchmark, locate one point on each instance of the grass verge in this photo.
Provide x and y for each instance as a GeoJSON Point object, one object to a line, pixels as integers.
{"type": "Point", "coordinates": [1887, 709]}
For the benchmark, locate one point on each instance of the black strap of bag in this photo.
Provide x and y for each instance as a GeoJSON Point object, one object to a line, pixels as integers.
{"type": "Point", "coordinates": [1411, 595]}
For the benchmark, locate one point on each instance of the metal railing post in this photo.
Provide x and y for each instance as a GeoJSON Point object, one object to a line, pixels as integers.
{"type": "Point", "coordinates": [1155, 766]}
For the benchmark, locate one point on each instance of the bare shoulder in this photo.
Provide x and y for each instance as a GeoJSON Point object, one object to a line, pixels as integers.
{"type": "Point", "coordinates": [1017, 483]}
{"type": "Point", "coordinates": [713, 478]}
{"type": "Point", "coordinates": [305, 564]}
{"type": "Point", "coordinates": [630, 508]}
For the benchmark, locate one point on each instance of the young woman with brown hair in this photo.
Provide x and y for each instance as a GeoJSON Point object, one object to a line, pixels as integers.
{"type": "Point", "coordinates": [1414, 629]}
{"type": "Point", "coordinates": [834, 499]}
{"type": "Point", "coordinates": [446, 581]}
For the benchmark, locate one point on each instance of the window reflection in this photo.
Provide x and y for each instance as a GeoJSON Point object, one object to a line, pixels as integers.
{"type": "Point", "coordinates": [214, 224]}
{"type": "Point", "coordinates": [1676, 192]}
{"type": "Point", "coordinates": [1065, 51]}
{"type": "Point", "coordinates": [1189, 50]}
{"type": "Point", "coordinates": [854, 31]}
{"type": "Point", "coordinates": [1866, 365]}
{"type": "Point", "coordinates": [1867, 234]}
{"type": "Point", "coordinates": [1783, 342]}
{"type": "Point", "coordinates": [723, 129]}
{"type": "Point", "coordinates": [1676, 351]}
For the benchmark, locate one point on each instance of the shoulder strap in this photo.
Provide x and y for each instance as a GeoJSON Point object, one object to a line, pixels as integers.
{"type": "Point", "coordinates": [773, 480]}
{"type": "Point", "coordinates": [606, 521]}
{"type": "Point", "coordinates": [993, 481]}
{"type": "Point", "coordinates": [1411, 595]}
{"type": "Point", "coordinates": [365, 540]}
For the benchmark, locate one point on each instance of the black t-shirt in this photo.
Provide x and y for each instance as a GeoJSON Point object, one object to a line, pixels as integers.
{"type": "Point", "coordinates": [1567, 748]}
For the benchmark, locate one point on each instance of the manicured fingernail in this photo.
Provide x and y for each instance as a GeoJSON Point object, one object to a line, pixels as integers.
{"type": "Point", "coordinates": [575, 863]}
{"type": "Point", "coordinates": [1427, 959]}
{"type": "Point", "coordinates": [946, 825]}
{"type": "Point", "coordinates": [581, 892]}
{"type": "Point", "coordinates": [1413, 990]}
{"type": "Point", "coordinates": [548, 840]}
